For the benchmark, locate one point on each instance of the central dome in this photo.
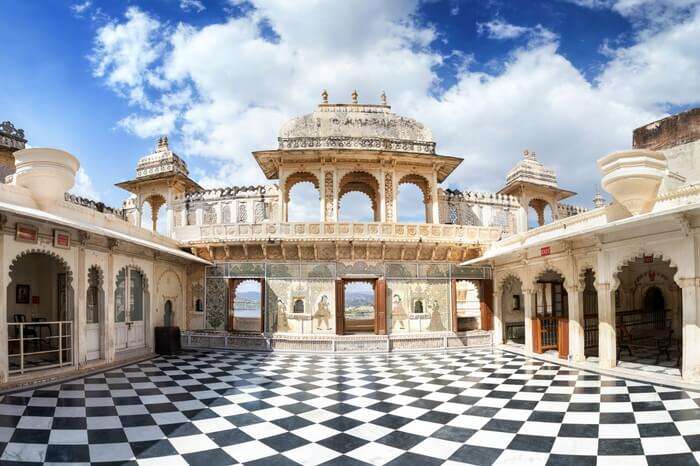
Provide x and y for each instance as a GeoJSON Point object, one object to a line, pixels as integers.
{"type": "Point", "coordinates": [356, 126]}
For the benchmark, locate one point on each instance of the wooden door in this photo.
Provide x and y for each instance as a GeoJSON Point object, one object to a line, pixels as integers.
{"type": "Point", "coordinates": [380, 306]}
{"type": "Point", "coordinates": [486, 292]}
{"type": "Point", "coordinates": [563, 337]}
{"type": "Point", "coordinates": [339, 307]}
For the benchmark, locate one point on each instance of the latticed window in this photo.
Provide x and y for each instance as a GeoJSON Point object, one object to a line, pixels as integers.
{"type": "Point", "coordinates": [226, 213]}
{"type": "Point", "coordinates": [470, 218]}
{"type": "Point", "coordinates": [242, 213]}
{"type": "Point", "coordinates": [454, 215]}
{"type": "Point", "coordinates": [192, 216]}
{"type": "Point", "coordinates": [209, 214]}
{"type": "Point", "coordinates": [500, 219]}
{"type": "Point", "coordinates": [259, 212]}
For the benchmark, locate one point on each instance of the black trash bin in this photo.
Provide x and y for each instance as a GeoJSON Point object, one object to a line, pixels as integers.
{"type": "Point", "coordinates": [167, 340]}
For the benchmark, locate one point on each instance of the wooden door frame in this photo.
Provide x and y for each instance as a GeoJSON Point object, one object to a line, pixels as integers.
{"type": "Point", "coordinates": [379, 287]}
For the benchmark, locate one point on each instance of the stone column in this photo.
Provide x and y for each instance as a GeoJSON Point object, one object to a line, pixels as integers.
{"type": "Point", "coordinates": [80, 316]}
{"type": "Point", "coordinates": [109, 327]}
{"type": "Point", "coordinates": [497, 317]}
{"type": "Point", "coordinates": [690, 369]}
{"type": "Point", "coordinates": [607, 337]}
{"type": "Point", "coordinates": [576, 324]}
{"type": "Point", "coordinates": [529, 298]}
{"type": "Point", "coordinates": [435, 202]}
{"type": "Point", "coordinates": [322, 195]}
{"type": "Point", "coordinates": [4, 272]}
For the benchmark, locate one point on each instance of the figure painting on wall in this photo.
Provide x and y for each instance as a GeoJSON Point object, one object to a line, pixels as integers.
{"type": "Point", "coordinates": [398, 313]}
{"type": "Point", "coordinates": [282, 324]}
{"type": "Point", "coordinates": [323, 313]}
{"type": "Point", "coordinates": [436, 319]}
{"type": "Point", "coordinates": [22, 294]}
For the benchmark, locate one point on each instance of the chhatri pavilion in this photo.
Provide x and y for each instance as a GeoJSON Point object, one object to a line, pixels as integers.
{"type": "Point", "coordinates": [612, 287]}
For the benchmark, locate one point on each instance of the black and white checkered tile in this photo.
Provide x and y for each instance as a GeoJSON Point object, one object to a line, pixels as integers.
{"type": "Point", "coordinates": [477, 407]}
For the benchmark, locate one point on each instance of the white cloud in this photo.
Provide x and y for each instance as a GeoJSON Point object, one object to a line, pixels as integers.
{"type": "Point", "coordinates": [124, 52]}
{"type": "Point", "coordinates": [80, 8]}
{"type": "Point", "coordinates": [192, 5]}
{"type": "Point", "coordinates": [499, 29]}
{"type": "Point", "coordinates": [83, 186]}
{"type": "Point", "coordinates": [226, 88]}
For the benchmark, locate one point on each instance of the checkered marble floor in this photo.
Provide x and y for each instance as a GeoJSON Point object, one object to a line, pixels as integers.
{"type": "Point", "coordinates": [471, 406]}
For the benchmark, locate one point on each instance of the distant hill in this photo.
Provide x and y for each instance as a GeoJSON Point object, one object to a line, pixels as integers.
{"type": "Point", "coordinates": [249, 295]}
{"type": "Point", "coordinates": [359, 299]}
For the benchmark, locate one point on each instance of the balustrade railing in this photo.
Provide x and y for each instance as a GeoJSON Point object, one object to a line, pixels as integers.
{"type": "Point", "coordinates": [39, 345]}
{"type": "Point", "coordinates": [339, 231]}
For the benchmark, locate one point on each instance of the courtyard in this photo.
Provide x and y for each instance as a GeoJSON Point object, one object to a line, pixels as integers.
{"type": "Point", "coordinates": [478, 406]}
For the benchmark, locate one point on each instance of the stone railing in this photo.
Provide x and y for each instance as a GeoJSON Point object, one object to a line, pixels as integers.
{"type": "Point", "coordinates": [351, 231]}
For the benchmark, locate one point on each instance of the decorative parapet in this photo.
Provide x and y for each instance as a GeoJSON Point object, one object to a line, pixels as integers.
{"type": "Point", "coordinates": [568, 210]}
{"type": "Point", "coordinates": [348, 142]}
{"type": "Point", "coordinates": [94, 205]}
{"type": "Point", "coordinates": [355, 231]}
{"type": "Point", "coordinates": [231, 192]}
{"type": "Point", "coordinates": [473, 197]}
{"type": "Point", "coordinates": [10, 137]}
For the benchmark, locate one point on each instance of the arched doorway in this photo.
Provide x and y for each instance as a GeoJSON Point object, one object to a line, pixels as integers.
{"type": "Point", "coordinates": [551, 323]}
{"type": "Point", "coordinates": [168, 314]}
{"type": "Point", "coordinates": [40, 313]}
{"type": "Point", "coordinates": [467, 305]}
{"type": "Point", "coordinates": [246, 305]}
{"type": "Point", "coordinates": [413, 190]}
{"type": "Point", "coordinates": [352, 210]}
{"type": "Point", "coordinates": [512, 311]}
{"type": "Point", "coordinates": [648, 316]}
{"type": "Point", "coordinates": [94, 314]}
{"type": "Point", "coordinates": [131, 305]}
{"type": "Point", "coordinates": [359, 307]}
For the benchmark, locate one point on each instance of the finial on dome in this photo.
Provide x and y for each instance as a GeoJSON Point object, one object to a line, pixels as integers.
{"type": "Point", "coordinates": [383, 98]}
{"type": "Point", "coordinates": [162, 143]}
{"type": "Point", "coordinates": [354, 96]}
{"type": "Point", "coordinates": [598, 200]}
{"type": "Point", "coordinates": [324, 96]}
{"type": "Point", "coordinates": [529, 155]}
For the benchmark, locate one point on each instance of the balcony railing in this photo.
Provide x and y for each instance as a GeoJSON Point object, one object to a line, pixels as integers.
{"type": "Point", "coordinates": [39, 345]}
{"type": "Point", "coordinates": [338, 231]}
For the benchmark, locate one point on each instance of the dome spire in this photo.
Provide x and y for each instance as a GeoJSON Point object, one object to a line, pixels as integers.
{"type": "Point", "coordinates": [324, 96]}
{"type": "Point", "coordinates": [354, 96]}
{"type": "Point", "coordinates": [598, 200]}
{"type": "Point", "coordinates": [383, 98]}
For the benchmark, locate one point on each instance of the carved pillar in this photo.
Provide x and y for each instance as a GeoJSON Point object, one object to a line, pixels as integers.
{"type": "Point", "coordinates": [109, 326]}
{"type": "Point", "coordinates": [328, 198]}
{"type": "Point", "coordinates": [497, 317]}
{"type": "Point", "coordinates": [434, 201]}
{"type": "Point", "coordinates": [690, 369]}
{"type": "Point", "coordinates": [80, 315]}
{"type": "Point", "coordinates": [529, 298]}
{"type": "Point", "coordinates": [4, 269]}
{"type": "Point", "coordinates": [607, 338]}
{"type": "Point", "coordinates": [576, 323]}
{"type": "Point", "coordinates": [389, 197]}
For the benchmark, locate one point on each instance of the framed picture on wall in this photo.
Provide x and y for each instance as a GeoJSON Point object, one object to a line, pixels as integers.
{"type": "Point", "coordinates": [61, 239]}
{"type": "Point", "coordinates": [26, 233]}
{"type": "Point", "coordinates": [22, 294]}
{"type": "Point", "coordinates": [516, 302]}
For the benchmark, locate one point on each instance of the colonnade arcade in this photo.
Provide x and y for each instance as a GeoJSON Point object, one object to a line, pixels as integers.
{"type": "Point", "coordinates": [624, 308]}
{"type": "Point", "coordinates": [381, 187]}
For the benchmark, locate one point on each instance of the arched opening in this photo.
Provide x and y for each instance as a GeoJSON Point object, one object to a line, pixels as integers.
{"type": "Point", "coordinates": [359, 311]}
{"type": "Point", "coordinates": [245, 312]}
{"type": "Point", "coordinates": [353, 205]}
{"type": "Point", "coordinates": [40, 306]}
{"type": "Point", "coordinates": [539, 213]}
{"type": "Point", "coordinates": [648, 316]}
{"type": "Point", "coordinates": [512, 309]}
{"type": "Point", "coordinates": [131, 306]}
{"type": "Point", "coordinates": [298, 306]}
{"type": "Point", "coordinates": [551, 309]}
{"type": "Point", "coordinates": [168, 314]}
{"type": "Point", "coordinates": [413, 192]}
{"type": "Point", "coordinates": [590, 314]}
{"type": "Point", "coordinates": [95, 314]}
{"type": "Point", "coordinates": [302, 198]}
{"type": "Point", "coordinates": [154, 214]}
{"type": "Point", "coordinates": [468, 305]}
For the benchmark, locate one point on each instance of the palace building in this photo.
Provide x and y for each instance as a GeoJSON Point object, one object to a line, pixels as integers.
{"type": "Point", "coordinates": [611, 287]}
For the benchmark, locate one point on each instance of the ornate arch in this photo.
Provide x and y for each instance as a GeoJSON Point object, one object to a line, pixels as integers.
{"type": "Point", "coordinates": [509, 276]}
{"type": "Point", "coordinates": [421, 182]}
{"type": "Point", "coordinates": [140, 270]}
{"type": "Point", "coordinates": [549, 268]}
{"type": "Point", "coordinates": [296, 178]}
{"type": "Point", "coordinates": [363, 182]}
{"type": "Point", "coordinates": [52, 255]}
{"type": "Point", "coordinates": [98, 276]}
{"type": "Point", "coordinates": [627, 259]}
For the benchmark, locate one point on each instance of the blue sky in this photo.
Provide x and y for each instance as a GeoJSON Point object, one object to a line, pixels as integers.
{"type": "Point", "coordinates": [567, 79]}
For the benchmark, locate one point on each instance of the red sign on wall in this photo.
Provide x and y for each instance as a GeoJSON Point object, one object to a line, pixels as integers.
{"type": "Point", "coordinates": [648, 259]}
{"type": "Point", "coordinates": [545, 251]}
